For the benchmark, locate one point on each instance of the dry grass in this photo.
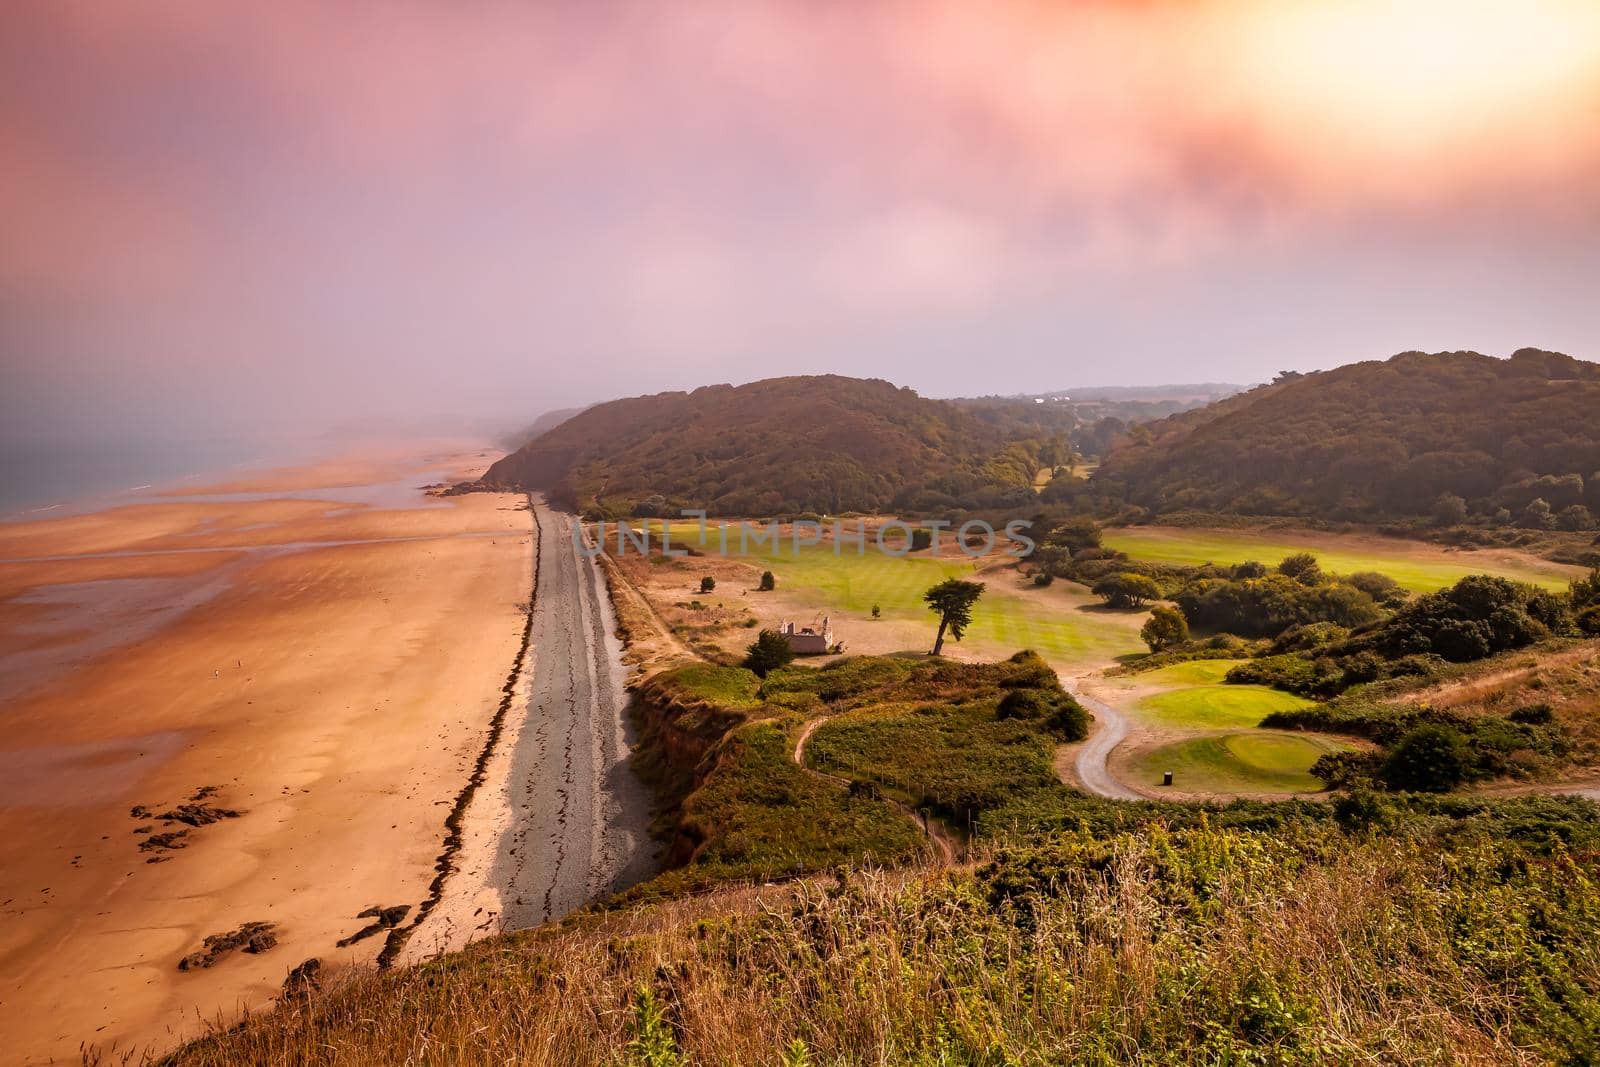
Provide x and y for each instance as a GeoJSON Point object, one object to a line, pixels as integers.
{"type": "Point", "coordinates": [1207, 946]}
{"type": "Point", "coordinates": [650, 642]}
{"type": "Point", "coordinates": [1567, 682]}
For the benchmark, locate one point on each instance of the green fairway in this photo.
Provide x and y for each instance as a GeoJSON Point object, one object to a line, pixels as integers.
{"type": "Point", "coordinates": [1254, 762]}
{"type": "Point", "coordinates": [1216, 707]}
{"type": "Point", "coordinates": [1004, 621]}
{"type": "Point", "coordinates": [1421, 568]}
{"type": "Point", "coordinates": [1190, 672]}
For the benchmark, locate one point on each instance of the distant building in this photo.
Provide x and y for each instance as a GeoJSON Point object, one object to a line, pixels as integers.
{"type": "Point", "coordinates": [814, 640]}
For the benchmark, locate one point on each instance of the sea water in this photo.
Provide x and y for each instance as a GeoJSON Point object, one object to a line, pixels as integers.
{"type": "Point", "coordinates": [44, 479]}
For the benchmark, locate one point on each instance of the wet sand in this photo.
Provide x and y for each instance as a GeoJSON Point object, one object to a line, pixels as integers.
{"type": "Point", "coordinates": [330, 666]}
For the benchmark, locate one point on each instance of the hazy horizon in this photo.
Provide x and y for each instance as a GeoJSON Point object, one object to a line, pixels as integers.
{"type": "Point", "coordinates": [286, 219]}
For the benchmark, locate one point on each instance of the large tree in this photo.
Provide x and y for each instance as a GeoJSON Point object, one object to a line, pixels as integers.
{"type": "Point", "coordinates": [952, 600]}
{"type": "Point", "coordinates": [769, 652]}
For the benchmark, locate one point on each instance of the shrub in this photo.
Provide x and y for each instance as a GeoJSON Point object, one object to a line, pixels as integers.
{"type": "Point", "coordinates": [1586, 590]}
{"type": "Point", "coordinates": [1078, 535]}
{"type": "Point", "coordinates": [1430, 758]}
{"type": "Point", "coordinates": [1165, 628]}
{"type": "Point", "coordinates": [1061, 714]}
{"type": "Point", "coordinates": [1449, 510]}
{"type": "Point", "coordinates": [1302, 567]}
{"type": "Point", "coordinates": [1383, 589]}
{"type": "Point", "coordinates": [1304, 637]}
{"type": "Point", "coordinates": [1127, 590]}
{"type": "Point", "coordinates": [707, 584]}
{"type": "Point", "coordinates": [1069, 720]}
{"type": "Point", "coordinates": [1290, 672]}
{"type": "Point", "coordinates": [1043, 579]}
{"type": "Point", "coordinates": [1575, 517]}
{"type": "Point", "coordinates": [1536, 516]}
{"type": "Point", "coordinates": [769, 582]}
{"type": "Point", "coordinates": [1362, 809]}
{"type": "Point", "coordinates": [1589, 620]}
{"type": "Point", "coordinates": [1533, 715]}
{"type": "Point", "coordinates": [1265, 607]}
{"type": "Point", "coordinates": [650, 507]}
{"type": "Point", "coordinates": [1345, 770]}
{"type": "Point", "coordinates": [1478, 616]}
{"type": "Point", "coordinates": [769, 652]}
{"type": "Point", "coordinates": [1023, 704]}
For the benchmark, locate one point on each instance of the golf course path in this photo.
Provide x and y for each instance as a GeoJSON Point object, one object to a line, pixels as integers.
{"type": "Point", "coordinates": [930, 827]}
{"type": "Point", "coordinates": [1110, 727]}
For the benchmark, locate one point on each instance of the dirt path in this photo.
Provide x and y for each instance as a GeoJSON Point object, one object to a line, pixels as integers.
{"type": "Point", "coordinates": [1457, 691]}
{"type": "Point", "coordinates": [652, 644]}
{"type": "Point", "coordinates": [1110, 728]}
{"type": "Point", "coordinates": [932, 828]}
{"type": "Point", "coordinates": [1588, 789]}
{"type": "Point", "coordinates": [561, 819]}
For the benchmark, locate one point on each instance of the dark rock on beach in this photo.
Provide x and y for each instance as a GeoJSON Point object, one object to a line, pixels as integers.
{"type": "Point", "coordinates": [251, 937]}
{"type": "Point", "coordinates": [382, 919]}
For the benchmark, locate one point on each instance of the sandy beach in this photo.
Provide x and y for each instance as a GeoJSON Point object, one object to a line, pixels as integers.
{"type": "Point", "coordinates": [251, 703]}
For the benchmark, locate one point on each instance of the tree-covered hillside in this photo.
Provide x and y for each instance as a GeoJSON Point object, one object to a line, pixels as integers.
{"type": "Point", "coordinates": [818, 443]}
{"type": "Point", "coordinates": [1454, 434]}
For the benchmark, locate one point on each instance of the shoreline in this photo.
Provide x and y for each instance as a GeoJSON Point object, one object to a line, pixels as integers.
{"type": "Point", "coordinates": [455, 836]}
{"type": "Point", "coordinates": [326, 695]}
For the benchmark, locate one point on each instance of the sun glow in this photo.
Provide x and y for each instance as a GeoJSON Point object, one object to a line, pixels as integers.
{"type": "Point", "coordinates": [1399, 70]}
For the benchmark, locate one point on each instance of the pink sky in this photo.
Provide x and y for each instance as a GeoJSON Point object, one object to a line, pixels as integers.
{"type": "Point", "coordinates": [223, 216]}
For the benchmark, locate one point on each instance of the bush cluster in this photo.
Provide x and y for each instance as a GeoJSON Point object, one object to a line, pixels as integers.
{"type": "Point", "coordinates": [1429, 749]}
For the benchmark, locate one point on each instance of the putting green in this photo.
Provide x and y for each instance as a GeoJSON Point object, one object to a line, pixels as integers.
{"type": "Point", "coordinates": [1216, 707]}
{"type": "Point", "coordinates": [1253, 762]}
{"type": "Point", "coordinates": [1414, 565]}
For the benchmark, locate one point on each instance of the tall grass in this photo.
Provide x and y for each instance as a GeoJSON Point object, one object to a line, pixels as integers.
{"type": "Point", "coordinates": [1211, 946]}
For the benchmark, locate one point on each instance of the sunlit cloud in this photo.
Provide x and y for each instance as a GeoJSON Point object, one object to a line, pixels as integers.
{"type": "Point", "coordinates": [573, 201]}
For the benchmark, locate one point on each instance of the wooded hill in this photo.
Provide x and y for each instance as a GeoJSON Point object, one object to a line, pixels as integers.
{"type": "Point", "coordinates": [1455, 433]}
{"type": "Point", "coordinates": [822, 444]}
{"type": "Point", "coordinates": [1453, 436]}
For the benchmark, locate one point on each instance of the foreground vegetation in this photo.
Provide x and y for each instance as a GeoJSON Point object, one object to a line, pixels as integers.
{"type": "Point", "coordinates": [1378, 927]}
{"type": "Point", "coordinates": [1393, 928]}
{"type": "Point", "coordinates": [889, 736]}
{"type": "Point", "coordinates": [1409, 936]}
